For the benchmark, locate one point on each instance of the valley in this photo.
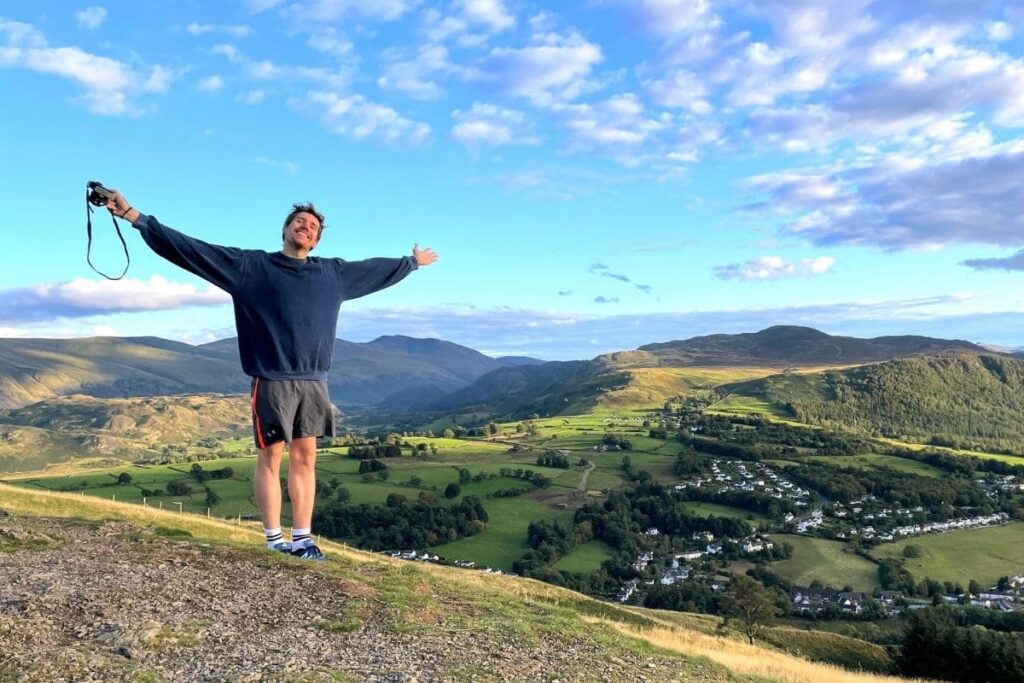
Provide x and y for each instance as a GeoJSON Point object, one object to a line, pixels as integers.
{"type": "Point", "coordinates": [628, 480]}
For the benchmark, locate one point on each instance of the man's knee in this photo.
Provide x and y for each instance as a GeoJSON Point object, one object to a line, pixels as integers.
{"type": "Point", "coordinates": [302, 453]}
{"type": "Point", "coordinates": [270, 457]}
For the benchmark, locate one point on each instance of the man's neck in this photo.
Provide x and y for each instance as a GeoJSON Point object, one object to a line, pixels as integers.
{"type": "Point", "coordinates": [291, 251]}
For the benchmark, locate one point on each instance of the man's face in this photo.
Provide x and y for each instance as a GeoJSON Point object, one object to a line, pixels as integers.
{"type": "Point", "coordinates": [303, 231]}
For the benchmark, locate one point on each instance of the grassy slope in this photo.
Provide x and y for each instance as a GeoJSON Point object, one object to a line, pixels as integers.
{"type": "Point", "coordinates": [959, 556]}
{"type": "Point", "coordinates": [70, 427]}
{"type": "Point", "coordinates": [969, 397]}
{"type": "Point", "coordinates": [651, 387]}
{"type": "Point", "coordinates": [827, 561]}
{"type": "Point", "coordinates": [497, 603]}
{"type": "Point", "coordinates": [585, 558]}
{"type": "Point", "coordinates": [874, 461]}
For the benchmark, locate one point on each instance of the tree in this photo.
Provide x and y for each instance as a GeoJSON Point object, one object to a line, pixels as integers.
{"type": "Point", "coordinates": [179, 488]}
{"type": "Point", "coordinates": [912, 551]}
{"type": "Point", "coordinates": [452, 490]}
{"type": "Point", "coordinates": [448, 433]}
{"type": "Point", "coordinates": [124, 478]}
{"type": "Point", "coordinates": [750, 603]}
{"type": "Point", "coordinates": [197, 472]}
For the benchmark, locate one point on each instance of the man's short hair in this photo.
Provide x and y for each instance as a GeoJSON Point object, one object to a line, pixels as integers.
{"type": "Point", "coordinates": [305, 208]}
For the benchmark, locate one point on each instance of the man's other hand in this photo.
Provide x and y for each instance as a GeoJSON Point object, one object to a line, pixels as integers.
{"type": "Point", "coordinates": [424, 257]}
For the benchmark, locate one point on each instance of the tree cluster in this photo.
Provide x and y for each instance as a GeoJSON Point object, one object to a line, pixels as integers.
{"type": "Point", "coordinates": [554, 459]}
{"type": "Point", "coordinates": [936, 647]}
{"type": "Point", "coordinates": [401, 524]}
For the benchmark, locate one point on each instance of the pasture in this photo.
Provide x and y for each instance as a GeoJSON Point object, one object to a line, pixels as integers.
{"type": "Point", "coordinates": [959, 556]}
{"type": "Point", "coordinates": [830, 562]}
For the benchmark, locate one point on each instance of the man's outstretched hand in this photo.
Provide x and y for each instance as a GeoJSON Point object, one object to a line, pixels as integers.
{"type": "Point", "coordinates": [424, 257]}
{"type": "Point", "coordinates": [120, 207]}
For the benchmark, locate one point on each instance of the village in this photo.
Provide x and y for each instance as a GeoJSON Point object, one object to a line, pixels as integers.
{"type": "Point", "coordinates": [751, 477]}
{"type": "Point", "coordinates": [866, 518]}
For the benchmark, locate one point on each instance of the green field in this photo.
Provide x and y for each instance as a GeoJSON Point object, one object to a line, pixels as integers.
{"type": "Point", "coordinates": [504, 540]}
{"type": "Point", "coordinates": [500, 544]}
{"type": "Point", "coordinates": [981, 455]}
{"type": "Point", "coordinates": [875, 461]}
{"type": "Point", "coordinates": [746, 405]}
{"type": "Point", "coordinates": [713, 509]}
{"type": "Point", "coordinates": [829, 562]}
{"type": "Point", "coordinates": [959, 556]}
{"type": "Point", "coordinates": [586, 558]}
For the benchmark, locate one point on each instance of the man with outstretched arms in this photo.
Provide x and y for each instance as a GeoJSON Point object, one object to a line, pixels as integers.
{"type": "Point", "coordinates": [286, 312]}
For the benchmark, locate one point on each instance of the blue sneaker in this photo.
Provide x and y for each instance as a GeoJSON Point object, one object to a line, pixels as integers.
{"type": "Point", "coordinates": [281, 547]}
{"type": "Point", "coordinates": [308, 552]}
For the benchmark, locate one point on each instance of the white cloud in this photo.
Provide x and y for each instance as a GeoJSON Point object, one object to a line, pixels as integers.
{"type": "Point", "coordinates": [210, 84]}
{"type": "Point", "coordinates": [81, 298]}
{"type": "Point", "coordinates": [619, 121]}
{"type": "Point", "coordinates": [329, 42]}
{"type": "Point", "coordinates": [470, 22]}
{"type": "Point", "coordinates": [414, 77]}
{"type": "Point", "coordinates": [491, 13]}
{"type": "Point", "coordinates": [680, 89]}
{"type": "Point", "coordinates": [91, 17]}
{"type": "Point", "coordinates": [553, 68]}
{"type": "Point", "coordinates": [774, 268]}
{"type": "Point", "coordinates": [998, 31]}
{"type": "Point", "coordinates": [229, 51]}
{"type": "Point", "coordinates": [336, 76]}
{"type": "Point", "coordinates": [254, 97]}
{"type": "Point", "coordinates": [900, 203]}
{"type": "Point", "coordinates": [357, 118]}
{"type": "Point", "coordinates": [673, 18]}
{"type": "Point", "coordinates": [236, 30]}
{"type": "Point", "coordinates": [107, 83]}
{"type": "Point", "coordinates": [488, 124]}
{"type": "Point", "coordinates": [333, 10]}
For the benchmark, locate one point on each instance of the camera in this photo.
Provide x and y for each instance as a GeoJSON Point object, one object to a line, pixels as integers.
{"type": "Point", "coordinates": [98, 195]}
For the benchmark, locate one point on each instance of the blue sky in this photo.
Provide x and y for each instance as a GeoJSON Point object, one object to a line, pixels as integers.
{"type": "Point", "coordinates": [594, 175]}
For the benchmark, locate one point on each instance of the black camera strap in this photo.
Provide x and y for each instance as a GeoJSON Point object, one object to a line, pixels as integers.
{"type": "Point", "coordinates": [88, 248]}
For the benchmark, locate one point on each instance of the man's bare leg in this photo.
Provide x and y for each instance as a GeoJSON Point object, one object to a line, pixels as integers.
{"type": "Point", "coordinates": [302, 480]}
{"type": "Point", "coordinates": [266, 484]}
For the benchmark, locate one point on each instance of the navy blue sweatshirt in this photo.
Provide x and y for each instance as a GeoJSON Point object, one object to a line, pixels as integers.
{"type": "Point", "coordinates": [286, 309]}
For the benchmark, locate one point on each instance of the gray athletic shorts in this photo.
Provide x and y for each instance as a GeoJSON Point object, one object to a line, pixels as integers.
{"type": "Point", "coordinates": [286, 409]}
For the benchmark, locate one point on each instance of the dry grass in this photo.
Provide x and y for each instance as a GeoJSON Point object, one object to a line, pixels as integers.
{"type": "Point", "coordinates": [748, 659]}
{"type": "Point", "coordinates": [52, 504]}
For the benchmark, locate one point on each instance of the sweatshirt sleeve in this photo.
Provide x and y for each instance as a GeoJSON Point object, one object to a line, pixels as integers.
{"type": "Point", "coordinates": [220, 266]}
{"type": "Point", "coordinates": [359, 278]}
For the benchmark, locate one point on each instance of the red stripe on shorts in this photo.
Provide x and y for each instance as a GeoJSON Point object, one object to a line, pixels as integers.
{"type": "Point", "coordinates": [255, 415]}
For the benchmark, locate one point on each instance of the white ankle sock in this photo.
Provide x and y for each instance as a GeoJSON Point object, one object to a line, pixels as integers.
{"type": "Point", "coordinates": [274, 537]}
{"type": "Point", "coordinates": [300, 538]}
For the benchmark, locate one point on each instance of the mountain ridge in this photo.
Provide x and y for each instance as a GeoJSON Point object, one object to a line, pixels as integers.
{"type": "Point", "coordinates": [553, 387]}
{"type": "Point", "coordinates": [785, 344]}
{"type": "Point", "coordinates": [33, 369]}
